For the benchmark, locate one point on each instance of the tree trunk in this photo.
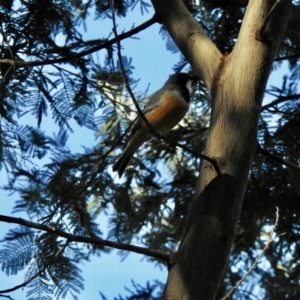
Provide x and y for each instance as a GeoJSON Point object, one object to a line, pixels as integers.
{"type": "Point", "coordinates": [236, 83]}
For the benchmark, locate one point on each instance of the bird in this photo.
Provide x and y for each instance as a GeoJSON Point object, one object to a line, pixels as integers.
{"type": "Point", "coordinates": [164, 110]}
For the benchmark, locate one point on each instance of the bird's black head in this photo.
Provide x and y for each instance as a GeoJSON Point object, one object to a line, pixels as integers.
{"type": "Point", "coordinates": [180, 79]}
{"type": "Point", "coordinates": [183, 80]}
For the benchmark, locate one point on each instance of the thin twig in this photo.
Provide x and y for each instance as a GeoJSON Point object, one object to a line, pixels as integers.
{"type": "Point", "coordinates": [287, 57]}
{"type": "Point", "coordinates": [49, 262]}
{"type": "Point", "coordinates": [269, 241]}
{"type": "Point", "coordinates": [281, 99]}
{"type": "Point", "coordinates": [12, 65]}
{"type": "Point", "coordinates": [21, 63]}
{"type": "Point", "coordinates": [264, 152]}
{"type": "Point", "coordinates": [196, 154]}
{"type": "Point", "coordinates": [90, 240]}
{"type": "Point", "coordinates": [123, 71]}
{"type": "Point", "coordinates": [8, 297]}
{"type": "Point", "coordinates": [103, 157]}
{"type": "Point", "coordinates": [6, 75]}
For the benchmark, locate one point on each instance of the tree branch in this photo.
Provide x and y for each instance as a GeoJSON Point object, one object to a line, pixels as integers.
{"type": "Point", "coordinates": [261, 34]}
{"type": "Point", "coordinates": [190, 38]}
{"type": "Point", "coordinates": [8, 297]}
{"type": "Point", "coordinates": [49, 262]}
{"type": "Point", "coordinates": [196, 154]}
{"type": "Point", "coordinates": [280, 100]}
{"type": "Point", "coordinates": [287, 57]}
{"type": "Point", "coordinates": [90, 240]}
{"type": "Point", "coordinates": [22, 64]}
{"type": "Point", "coordinates": [276, 158]}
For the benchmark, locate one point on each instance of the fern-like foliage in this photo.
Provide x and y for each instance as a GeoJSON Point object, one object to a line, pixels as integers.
{"type": "Point", "coordinates": [47, 272]}
{"type": "Point", "coordinates": [39, 288]}
{"type": "Point", "coordinates": [18, 251]}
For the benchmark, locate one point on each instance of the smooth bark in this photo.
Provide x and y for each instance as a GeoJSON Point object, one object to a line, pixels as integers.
{"type": "Point", "coordinates": [190, 38]}
{"type": "Point", "coordinates": [236, 83]}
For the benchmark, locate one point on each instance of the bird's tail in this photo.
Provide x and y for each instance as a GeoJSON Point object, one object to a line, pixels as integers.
{"type": "Point", "coordinates": [122, 163]}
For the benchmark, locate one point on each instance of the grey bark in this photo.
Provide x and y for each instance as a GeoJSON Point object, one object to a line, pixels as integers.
{"type": "Point", "coordinates": [236, 83]}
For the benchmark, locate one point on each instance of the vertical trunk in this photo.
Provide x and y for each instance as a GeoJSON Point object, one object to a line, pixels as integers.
{"type": "Point", "coordinates": [237, 84]}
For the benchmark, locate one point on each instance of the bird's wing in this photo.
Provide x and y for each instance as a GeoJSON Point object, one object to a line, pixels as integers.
{"type": "Point", "coordinates": [151, 104]}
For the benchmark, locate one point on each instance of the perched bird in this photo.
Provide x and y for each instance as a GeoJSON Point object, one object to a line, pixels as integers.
{"type": "Point", "coordinates": [164, 110]}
